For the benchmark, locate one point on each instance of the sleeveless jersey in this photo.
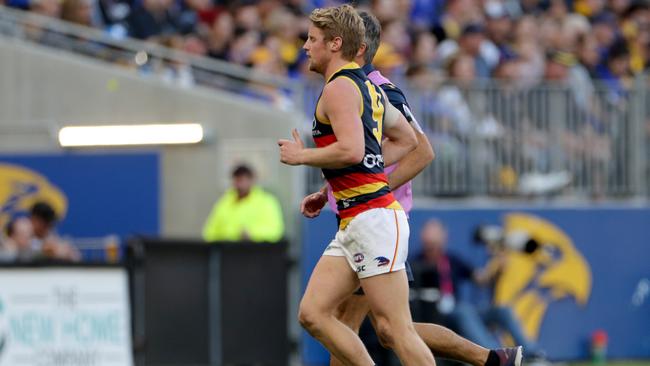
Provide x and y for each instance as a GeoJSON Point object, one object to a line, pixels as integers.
{"type": "Point", "coordinates": [362, 186]}
{"type": "Point", "coordinates": [403, 194]}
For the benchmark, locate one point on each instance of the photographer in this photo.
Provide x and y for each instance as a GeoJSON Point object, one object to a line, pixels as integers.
{"type": "Point", "coordinates": [446, 272]}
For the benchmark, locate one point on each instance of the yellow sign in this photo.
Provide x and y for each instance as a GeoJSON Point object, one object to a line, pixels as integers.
{"type": "Point", "coordinates": [530, 282]}
{"type": "Point", "coordinates": [20, 188]}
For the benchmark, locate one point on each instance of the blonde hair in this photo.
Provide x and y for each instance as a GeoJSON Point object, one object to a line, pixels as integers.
{"type": "Point", "coordinates": [341, 21]}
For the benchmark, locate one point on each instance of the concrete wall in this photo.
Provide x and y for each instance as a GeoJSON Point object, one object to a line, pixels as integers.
{"type": "Point", "coordinates": [42, 89]}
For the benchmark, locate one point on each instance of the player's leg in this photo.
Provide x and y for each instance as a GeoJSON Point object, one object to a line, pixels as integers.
{"type": "Point", "coordinates": [504, 318]}
{"type": "Point", "coordinates": [387, 295]}
{"type": "Point", "coordinates": [380, 246]}
{"type": "Point", "coordinates": [351, 312]}
{"type": "Point", "coordinates": [447, 344]}
{"type": "Point", "coordinates": [332, 282]}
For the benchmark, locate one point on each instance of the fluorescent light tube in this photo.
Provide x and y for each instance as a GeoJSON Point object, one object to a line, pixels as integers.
{"type": "Point", "coordinates": [125, 135]}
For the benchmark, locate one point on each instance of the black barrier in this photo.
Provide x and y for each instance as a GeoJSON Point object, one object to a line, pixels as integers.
{"type": "Point", "coordinates": [209, 304]}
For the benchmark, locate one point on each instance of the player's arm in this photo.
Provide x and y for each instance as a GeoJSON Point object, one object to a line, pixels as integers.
{"type": "Point", "coordinates": [341, 105]}
{"type": "Point", "coordinates": [415, 161]}
{"type": "Point", "coordinates": [312, 204]}
{"type": "Point", "coordinates": [401, 139]}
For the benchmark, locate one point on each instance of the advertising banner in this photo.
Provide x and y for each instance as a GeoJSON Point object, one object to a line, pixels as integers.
{"type": "Point", "coordinates": [64, 317]}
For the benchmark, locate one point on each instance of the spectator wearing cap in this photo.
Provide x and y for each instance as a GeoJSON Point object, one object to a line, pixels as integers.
{"type": "Point", "coordinates": [244, 212]}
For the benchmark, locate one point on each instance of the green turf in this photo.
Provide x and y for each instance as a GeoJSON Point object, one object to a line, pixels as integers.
{"type": "Point", "coordinates": [613, 363]}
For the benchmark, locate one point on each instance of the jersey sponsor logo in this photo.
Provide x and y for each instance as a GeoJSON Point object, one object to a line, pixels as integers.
{"type": "Point", "coordinates": [358, 257]}
{"type": "Point", "coordinates": [382, 261]}
{"type": "Point", "coordinates": [372, 160]}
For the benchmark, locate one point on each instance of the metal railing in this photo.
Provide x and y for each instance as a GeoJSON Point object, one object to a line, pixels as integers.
{"type": "Point", "coordinates": [150, 59]}
{"type": "Point", "coordinates": [499, 140]}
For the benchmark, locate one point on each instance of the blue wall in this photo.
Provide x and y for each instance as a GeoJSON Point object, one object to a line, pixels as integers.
{"type": "Point", "coordinates": [107, 193]}
{"type": "Point", "coordinates": [614, 241]}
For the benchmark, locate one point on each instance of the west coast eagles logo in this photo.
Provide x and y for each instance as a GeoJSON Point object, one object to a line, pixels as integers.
{"type": "Point", "coordinates": [530, 283]}
{"type": "Point", "coordinates": [20, 188]}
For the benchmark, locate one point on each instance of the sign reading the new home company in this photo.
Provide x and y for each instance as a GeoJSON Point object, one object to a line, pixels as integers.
{"type": "Point", "coordinates": [64, 317]}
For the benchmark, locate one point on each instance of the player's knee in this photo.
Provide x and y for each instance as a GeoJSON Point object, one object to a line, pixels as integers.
{"type": "Point", "coordinates": [309, 318]}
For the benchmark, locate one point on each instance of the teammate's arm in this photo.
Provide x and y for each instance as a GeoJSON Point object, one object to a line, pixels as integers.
{"type": "Point", "coordinates": [340, 103]}
{"type": "Point", "coordinates": [401, 139]}
{"type": "Point", "coordinates": [415, 161]}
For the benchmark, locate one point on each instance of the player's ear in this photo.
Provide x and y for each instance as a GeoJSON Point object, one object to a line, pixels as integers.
{"type": "Point", "coordinates": [362, 50]}
{"type": "Point", "coordinates": [336, 44]}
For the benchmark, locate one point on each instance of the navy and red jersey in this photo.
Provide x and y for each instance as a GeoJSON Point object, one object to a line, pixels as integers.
{"type": "Point", "coordinates": [362, 186]}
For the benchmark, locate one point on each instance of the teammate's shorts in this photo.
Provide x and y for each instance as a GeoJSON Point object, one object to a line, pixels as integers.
{"type": "Point", "coordinates": [374, 242]}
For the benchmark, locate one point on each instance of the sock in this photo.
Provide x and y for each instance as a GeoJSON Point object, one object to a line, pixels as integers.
{"type": "Point", "coordinates": [493, 359]}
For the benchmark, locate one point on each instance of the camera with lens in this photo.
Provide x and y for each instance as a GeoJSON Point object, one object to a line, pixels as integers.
{"type": "Point", "coordinates": [495, 238]}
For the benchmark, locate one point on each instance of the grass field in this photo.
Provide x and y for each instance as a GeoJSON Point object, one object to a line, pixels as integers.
{"type": "Point", "coordinates": [613, 363]}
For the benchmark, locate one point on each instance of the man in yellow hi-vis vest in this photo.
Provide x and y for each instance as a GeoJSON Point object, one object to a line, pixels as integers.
{"type": "Point", "coordinates": [245, 212]}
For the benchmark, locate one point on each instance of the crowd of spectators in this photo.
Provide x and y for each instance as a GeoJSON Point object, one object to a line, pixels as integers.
{"type": "Point", "coordinates": [526, 40]}
{"type": "Point", "coordinates": [445, 48]}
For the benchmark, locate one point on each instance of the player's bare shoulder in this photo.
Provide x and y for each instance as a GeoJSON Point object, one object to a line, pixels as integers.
{"type": "Point", "coordinates": [341, 92]}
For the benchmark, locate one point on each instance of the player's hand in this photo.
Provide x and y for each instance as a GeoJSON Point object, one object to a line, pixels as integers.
{"type": "Point", "coordinates": [311, 205]}
{"type": "Point", "coordinates": [291, 150]}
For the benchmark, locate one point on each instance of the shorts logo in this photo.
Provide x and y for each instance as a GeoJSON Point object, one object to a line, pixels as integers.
{"type": "Point", "coordinates": [361, 269]}
{"type": "Point", "coordinates": [382, 261]}
{"type": "Point", "coordinates": [358, 257]}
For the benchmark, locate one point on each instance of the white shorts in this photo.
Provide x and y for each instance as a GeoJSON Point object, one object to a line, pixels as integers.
{"type": "Point", "coordinates": [374, 242]}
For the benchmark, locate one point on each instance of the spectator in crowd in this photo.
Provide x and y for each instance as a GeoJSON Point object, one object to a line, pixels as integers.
{"type": "Point", "coordinates": [615, 72]}
{"type": "Point", "coordinates": [17, 245]}
{"type": "Point", "coordinates": [245, 212]}
{"type": "Point", "coordinates": [45, 240]}
{"type": "Point", "coordinates": [447, 272]}
{"type": "Point", "coordinates": [153, 18]}
{"type": "Point", "coordinates": [473, 42]}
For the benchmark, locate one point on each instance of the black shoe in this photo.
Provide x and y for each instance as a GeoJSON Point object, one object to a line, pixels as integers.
{"type": "Point", "coordinates": [509, 356]}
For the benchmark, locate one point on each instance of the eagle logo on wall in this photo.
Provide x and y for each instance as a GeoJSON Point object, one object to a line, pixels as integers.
{"type": "Point", "coordinates": [21, 188]}
{"type": "Point", "coordinates": [530, 283]}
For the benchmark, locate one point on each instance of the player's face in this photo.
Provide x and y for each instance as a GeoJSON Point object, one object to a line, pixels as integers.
{"type": "Point", "coordinates": [316, 49]}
